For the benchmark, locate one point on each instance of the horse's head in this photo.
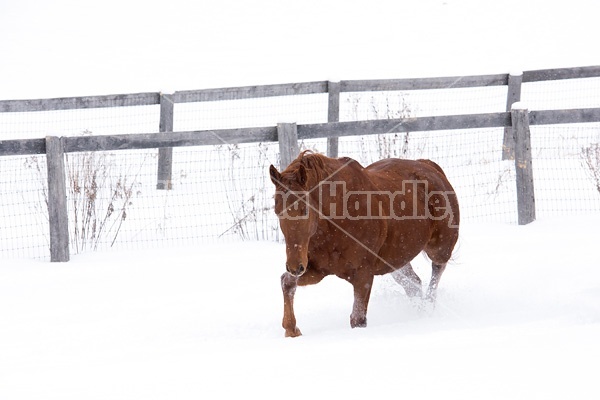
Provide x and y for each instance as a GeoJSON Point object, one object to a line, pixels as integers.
{"type": "Point", "coordinates": [298, 218]}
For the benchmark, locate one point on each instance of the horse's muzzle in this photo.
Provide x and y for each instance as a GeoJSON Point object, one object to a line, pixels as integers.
{"type": "Point", "coordinates": [298, 272]}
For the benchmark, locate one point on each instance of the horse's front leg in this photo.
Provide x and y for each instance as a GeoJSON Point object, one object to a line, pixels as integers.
{"type": "Point", "coordinates": [289, 283]}
{"type": "Point", "coordinates": [362, 292]}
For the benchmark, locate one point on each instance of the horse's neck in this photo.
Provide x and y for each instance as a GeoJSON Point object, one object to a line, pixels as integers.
{"type": "Point", "coordinates": [338, 178]}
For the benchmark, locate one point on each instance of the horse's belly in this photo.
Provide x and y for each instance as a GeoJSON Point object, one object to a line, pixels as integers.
{"type": "Point", "coordinates": [405, 240]}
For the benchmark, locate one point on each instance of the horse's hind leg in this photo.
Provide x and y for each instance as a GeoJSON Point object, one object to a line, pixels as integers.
{"type": "Point", "coordinates": [436, 273]}
{"type": "Point", "coordinates": [439, 250]}
{"type": "Point", "coordinates": [409, 280]}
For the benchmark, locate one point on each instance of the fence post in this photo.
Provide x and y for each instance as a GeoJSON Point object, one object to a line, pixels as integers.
{"type": "Point", "coordinates": [287, 135]}
{"type": "Point", "coordinates": [165, 154]}
{"type": "Point", "coordinates": [523, 165]}
{"type": "Point", "coordinates": [515, 80]}
{"type": "Point", "coordinates": [333, 115]}
{"type": "Point", "coordinates": [57, 200]}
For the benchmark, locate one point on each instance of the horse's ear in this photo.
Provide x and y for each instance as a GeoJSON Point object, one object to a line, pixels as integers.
{"type": "Point", "coordinates": [301, 175]}
{"type": "Point", "coordinates": [275, 175]}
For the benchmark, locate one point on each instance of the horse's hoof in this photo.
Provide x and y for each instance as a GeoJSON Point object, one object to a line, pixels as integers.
{"type": "Point", "coordinates": [293, 333]}
{"type": "Point", "coordinates": [358, 323]}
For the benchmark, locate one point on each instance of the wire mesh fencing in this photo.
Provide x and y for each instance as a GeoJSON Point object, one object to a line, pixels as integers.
{"type": "Point", "coordinates": [566, 169]}
{"type": "Point", "coordinates": [223, 192]}
{"type": "Point", "coordinates": [88, 121]}
{"type": "Point", "coordinates": [562, 94]}
{"type": "Point", "coordinates": [24, 207]}
{"type": "Point", "coordinates": [248, 113]}
{"type": "Point", "coordinates": [360, 106]}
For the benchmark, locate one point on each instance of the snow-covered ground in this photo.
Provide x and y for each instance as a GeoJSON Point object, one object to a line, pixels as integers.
{"type": "Point", "coordinates": [518, 316]}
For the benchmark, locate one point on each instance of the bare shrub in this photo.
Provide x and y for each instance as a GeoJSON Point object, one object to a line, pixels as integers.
{"type": "Point", "coordinates": [251, 209]}
{"type": "Point", "coordinates": [98, 199]}
{"type": "Point", "coordinates": [99, 195]}
{"type": "Point", "coordinates": [590, 156]}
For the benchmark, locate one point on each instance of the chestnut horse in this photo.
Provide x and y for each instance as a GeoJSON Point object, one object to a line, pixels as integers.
{"type": "Point", "coordinates": [339, 218]}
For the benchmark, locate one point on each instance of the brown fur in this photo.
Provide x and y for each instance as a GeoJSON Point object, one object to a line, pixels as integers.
{"type": "Point", "coordinates": [328, 231]}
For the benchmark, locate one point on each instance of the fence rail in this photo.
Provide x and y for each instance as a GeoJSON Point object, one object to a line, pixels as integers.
{"type": "Point", "coordinates": [74, 103]}
{"type": "Point", "coordinates": [290, 89]}
{"type": "Point", "coordinates": [516, 124]}
{"type": "Point", "coordinates": [215, 137]}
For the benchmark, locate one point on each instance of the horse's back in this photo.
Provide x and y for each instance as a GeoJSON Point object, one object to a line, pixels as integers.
{"type": "Point", "coordinates": [432, 164]}
{"type": "Point", "coordinates": [393, 171]}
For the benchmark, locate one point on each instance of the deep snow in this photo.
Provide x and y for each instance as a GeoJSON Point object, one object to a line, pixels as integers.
{"type": "Point", "coordinates": [518, 316]}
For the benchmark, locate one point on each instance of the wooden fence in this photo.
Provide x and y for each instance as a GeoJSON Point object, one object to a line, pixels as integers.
{"type": "Point", "coordinates": [515, 121]}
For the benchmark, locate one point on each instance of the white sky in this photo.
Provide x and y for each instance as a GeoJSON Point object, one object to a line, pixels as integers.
{"type": "Point", "coordinates": [68, 48]}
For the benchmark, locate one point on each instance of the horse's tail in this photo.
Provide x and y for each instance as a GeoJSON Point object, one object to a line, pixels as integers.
{"type": "Point", "coordinates": [434, 165]}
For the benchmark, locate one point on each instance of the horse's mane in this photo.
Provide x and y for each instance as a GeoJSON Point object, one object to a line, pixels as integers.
{"type": "Point", "coordinates": [311, 161]}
